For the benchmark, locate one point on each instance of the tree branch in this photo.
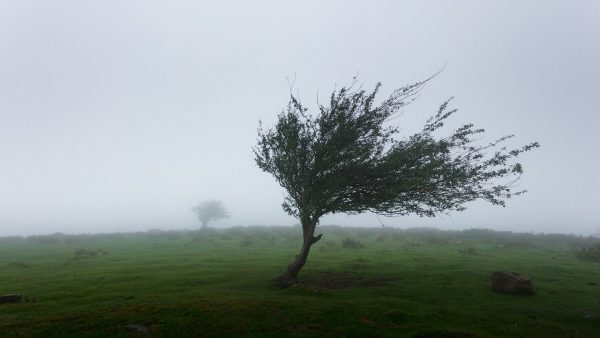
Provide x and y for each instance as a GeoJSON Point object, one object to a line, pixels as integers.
{"type": "Point", "coordinates": [314, 239]}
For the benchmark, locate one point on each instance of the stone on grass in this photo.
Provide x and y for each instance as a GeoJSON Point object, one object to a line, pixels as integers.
{"type": "Point", "coordinates": [12, 298]}
{"type": "Point", "coordinates": [511, 282]}
{"type": "Point", "coordinates": [139, 328]}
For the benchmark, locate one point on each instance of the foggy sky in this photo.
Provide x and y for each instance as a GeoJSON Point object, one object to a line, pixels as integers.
{"type": "Point", "coordinates": [122, 115]}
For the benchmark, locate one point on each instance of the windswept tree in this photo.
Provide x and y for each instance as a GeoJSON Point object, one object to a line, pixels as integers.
{"type": "Point", "coordinates": [348, 159]}
{"type": "Point", "coordinates": [210, 211]}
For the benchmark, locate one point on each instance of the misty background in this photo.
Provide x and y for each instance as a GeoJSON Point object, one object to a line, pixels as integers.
{"type": "Point", "coordinates": [123, 115]}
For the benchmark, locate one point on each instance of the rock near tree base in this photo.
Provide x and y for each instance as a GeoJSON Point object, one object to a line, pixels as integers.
{"type": "Point", "coordinates": [511, 282]}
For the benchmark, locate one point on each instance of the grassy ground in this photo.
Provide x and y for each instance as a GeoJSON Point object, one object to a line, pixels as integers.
{"type": "Point", "coordinates": [417, 283]}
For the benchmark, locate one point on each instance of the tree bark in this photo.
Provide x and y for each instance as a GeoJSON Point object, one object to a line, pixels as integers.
{"type": "Point", "coordinates": [288, 278]}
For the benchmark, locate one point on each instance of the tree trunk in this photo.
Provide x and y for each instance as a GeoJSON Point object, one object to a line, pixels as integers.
{"type": "Point", "coordinates": [288, 278]}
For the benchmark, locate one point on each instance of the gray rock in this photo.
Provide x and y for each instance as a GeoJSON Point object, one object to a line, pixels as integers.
{"type": "Point", "coordinates": [511, 282]}
{"type": "Point", "coordinates": [12, 298]}
{"type": "Point", "coordinates": [139, 328]}
{"type": "Point", "coordinates": [590, 315]}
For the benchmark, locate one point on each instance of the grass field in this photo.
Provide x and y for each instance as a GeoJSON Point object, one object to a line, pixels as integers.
{"type": "Point", "coordinates": [411, 283]}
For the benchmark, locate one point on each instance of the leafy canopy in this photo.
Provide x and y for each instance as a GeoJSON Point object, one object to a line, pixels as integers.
{"type": "Point", "coordinates": [348, 159]}
{"type": "Point", "coordinates": [210, 211]}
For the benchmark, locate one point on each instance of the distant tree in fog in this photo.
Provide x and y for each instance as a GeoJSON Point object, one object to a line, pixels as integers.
{"type": "Point", "coordinates": [210, 211]}
{"type": "Point", "coordinates": [346, 159]}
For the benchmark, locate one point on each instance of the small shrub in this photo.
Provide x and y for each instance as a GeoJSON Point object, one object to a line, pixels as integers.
{"type": "Point", "coordinates": [349, 243]}
{"type": "Point", "coordinates": [589, 252]}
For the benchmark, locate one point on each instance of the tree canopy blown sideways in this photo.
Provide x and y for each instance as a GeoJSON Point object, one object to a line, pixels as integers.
{"type": "Point", "coordinates": [347, 158]}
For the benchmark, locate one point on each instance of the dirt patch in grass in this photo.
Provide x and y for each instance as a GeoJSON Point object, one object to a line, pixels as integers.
{"type": "Point", "coordinates": [336, 280]}
{"type": "Point", "coordinates": [342, 280]}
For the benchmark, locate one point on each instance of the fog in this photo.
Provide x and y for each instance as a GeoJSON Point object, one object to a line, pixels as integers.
{"type": "Point", "coordinates": [123, 115]}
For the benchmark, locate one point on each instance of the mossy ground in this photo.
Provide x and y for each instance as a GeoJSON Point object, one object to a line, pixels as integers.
{"type": "Point", "coordinates": [218, 283]}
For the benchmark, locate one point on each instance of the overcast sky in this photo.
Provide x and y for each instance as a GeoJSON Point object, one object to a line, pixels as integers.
{"type": "Point", "coordinates": [122, 115]}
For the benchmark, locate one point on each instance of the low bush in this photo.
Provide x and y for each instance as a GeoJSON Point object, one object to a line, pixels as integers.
{"type": "Point", "coordinates": [589, 252]}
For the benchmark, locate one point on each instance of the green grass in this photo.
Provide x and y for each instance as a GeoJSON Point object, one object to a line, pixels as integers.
{"type": "Point", "coordinates": [418, 283]}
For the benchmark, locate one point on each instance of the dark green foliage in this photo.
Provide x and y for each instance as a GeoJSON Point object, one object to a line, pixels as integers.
{"type": "Point", "coordinates": [348, 159]}
{"type": "Point", "coordinates": [589, 252]}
